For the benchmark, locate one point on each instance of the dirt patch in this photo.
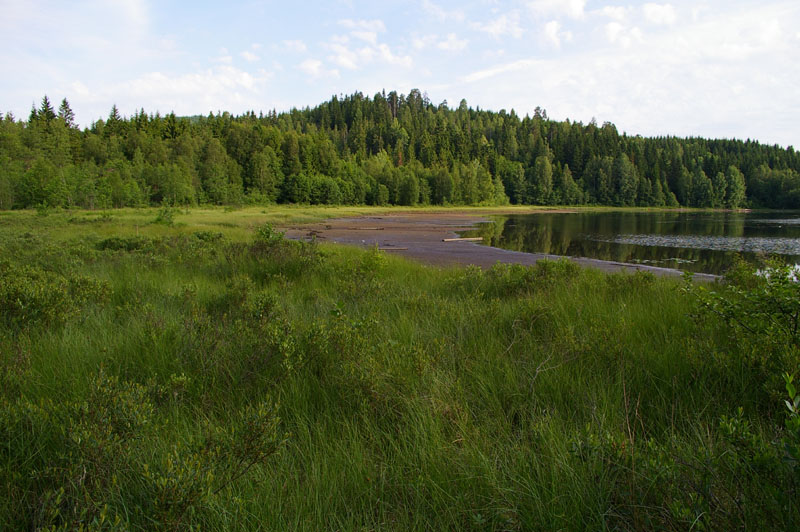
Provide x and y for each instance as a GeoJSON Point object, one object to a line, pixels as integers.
{"type": "Point", "coordinates": [420, 236]}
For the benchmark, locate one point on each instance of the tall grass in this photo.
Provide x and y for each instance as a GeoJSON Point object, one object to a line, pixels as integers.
{"type": "Point", "coordinates": [220, 377]}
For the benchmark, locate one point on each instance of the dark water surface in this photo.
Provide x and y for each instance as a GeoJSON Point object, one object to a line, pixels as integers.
{"type": "Point", "coordinates": [704, 242]}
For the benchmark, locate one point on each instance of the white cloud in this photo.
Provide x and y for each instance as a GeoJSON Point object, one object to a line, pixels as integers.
{"type": "Point", "coordinates": [347, 54]}
{"type": "Point", "coordinates": [493, 54]}
{"type": "Point", "coordinates": [223, 57]}
{"type": "Point", "coordinates": [134, 11]}
{"type": "Point", "coordinates": [502, 26]}
{"type": "Point", "coordinates": [554, 35]}
{"type": "Point", "coordinates": [347, 58]}
{"type": "Point", "coordinates": [250, 56]}
{"type": "Point", "coordinates": [358, 58]}
{"type": "Point", "coordinates": [420, 43]}
{"type": "Point", "coordinates": [79, 88]}
{"type": "Point", "coordinates": [368, 36]}
{"type": "Point", "coordinates": [311, 66]}
{"type": "Point", "coordinates": [314, 68]}
{"type": "Point", "coordinates": [376, 25]}
{"type": "Point", "coordinates": [387, 56]}
{"type": "Point", "coordinates": [743, 39]}
{"type": "Point", "coordinates": [615, 12]}
{"type": "Point", "coordinates": [569, 8]}
{"type": "Point", "coordinates": [523, 64]}
{"type": "Point", "coordinates": [613, 31]}
{"type": "Point", "coordinates": [296, 46]}
{"type": "Point", "coordinates": [660, 14]}
{"type": "Point", "coordinates": [188, 93]}
{"type": "Point", "coordinates": [722, 77]}
{"type": "Point", "coordinates": [207, 81]}
{"type": "Point", "coordinates": [452, 43]}
{"type": "Point", "coordinates": [442, 14]}
{"type": "Point", "coordinates": [617, 33]}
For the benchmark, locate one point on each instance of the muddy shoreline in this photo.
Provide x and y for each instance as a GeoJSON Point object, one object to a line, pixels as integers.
{"type": "Point", "coordinates": [419, 236]}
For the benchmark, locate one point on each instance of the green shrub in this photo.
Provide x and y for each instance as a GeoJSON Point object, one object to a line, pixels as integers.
{"type": "Point", "coordinates": [78, 464]}
{"type": "Point", "coordinates": [124, 243]}
{"type": "Point", "coordinates": [277, 255]}
{"type": "Point", "coordinates": [30, 295]}
{"type": "Point", "coordinates": [166, 216]}
{"type": "Point", "coordinates": [761, 313]}
{"type": "Point", "coordinates": [267, 236]}
{"type": "Point", "coordinates": [208, 236]}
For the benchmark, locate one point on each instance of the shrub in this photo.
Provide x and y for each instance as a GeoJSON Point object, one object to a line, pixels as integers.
{"type": "Point", "coordinates": [30, 295]}
{"type": "Point", "coordinates": [267, 236]}
{"type": "Point", "coordinates": [166, 216]}
{"type": "Point", "coordinates": [79, 465]}
{"type": "Point", "coordinates": [761, 312]}
{"type": "Point", "coordinates": [124, 243]}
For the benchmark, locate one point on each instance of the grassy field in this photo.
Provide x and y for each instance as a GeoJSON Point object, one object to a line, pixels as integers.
{"type": "Point", "coordinates": [167, 369]}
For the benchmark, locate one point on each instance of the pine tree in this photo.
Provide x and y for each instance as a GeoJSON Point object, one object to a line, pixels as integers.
{"type": "Point", "coordinates": [65, 113]}
{"type": "Point", "coordinates": [113, 115]}
{"type": "Point", "coordinates": [46, 112]}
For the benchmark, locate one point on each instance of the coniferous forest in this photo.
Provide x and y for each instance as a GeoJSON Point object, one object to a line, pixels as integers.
{"type": "Point", "coordinates": [389, 149]}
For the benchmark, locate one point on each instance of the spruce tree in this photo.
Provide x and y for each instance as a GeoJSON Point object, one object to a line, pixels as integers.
{"type": "Point", "coordinates": [65, 113]}
{"type": "Point", "coordinates": [46, 112]}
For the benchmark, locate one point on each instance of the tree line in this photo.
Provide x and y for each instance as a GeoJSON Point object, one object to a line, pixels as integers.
{"type": "Point", "coordinates": [389, 149]}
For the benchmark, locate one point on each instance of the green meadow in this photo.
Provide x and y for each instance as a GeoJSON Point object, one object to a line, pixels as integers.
{"type": "Point", "coordinates": [179, 369]}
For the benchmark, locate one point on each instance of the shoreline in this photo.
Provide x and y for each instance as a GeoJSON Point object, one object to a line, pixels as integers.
{"type": "Point", "coordinates": [420, 235]}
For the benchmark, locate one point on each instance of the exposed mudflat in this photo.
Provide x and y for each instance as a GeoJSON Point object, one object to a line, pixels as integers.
{"type": "Point", "coordinates": [419, 236]}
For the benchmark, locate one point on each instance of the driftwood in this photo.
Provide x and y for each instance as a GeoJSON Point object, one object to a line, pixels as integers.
{"type": "Point", "coordinates": [471, 239]}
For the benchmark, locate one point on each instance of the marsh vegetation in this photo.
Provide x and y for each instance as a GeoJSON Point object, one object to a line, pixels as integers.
{"type": "Point", "coordinates": [167, 369]}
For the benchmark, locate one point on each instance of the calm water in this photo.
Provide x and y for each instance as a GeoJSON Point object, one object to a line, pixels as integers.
{"type": "Point", "coordinates": [698, 242]}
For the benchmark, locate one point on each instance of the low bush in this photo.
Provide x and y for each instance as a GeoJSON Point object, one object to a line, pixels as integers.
{"type": "Point", "coordinates": [124, 243]}
{"type": "Point", "coordinates": [82, 464]}
{"type": "Point", "coordinates": [30, 295]}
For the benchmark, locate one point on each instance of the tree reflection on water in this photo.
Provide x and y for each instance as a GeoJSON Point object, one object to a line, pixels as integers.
{"type": "Point", "coordinates": [695, 241]}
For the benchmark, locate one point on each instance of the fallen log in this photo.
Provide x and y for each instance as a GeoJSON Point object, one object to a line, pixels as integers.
{"type": "Point", "coordinates": [470, 239]}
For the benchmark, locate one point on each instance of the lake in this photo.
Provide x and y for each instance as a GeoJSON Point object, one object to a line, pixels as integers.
{"type": "Point", "coordinates": [704, 242]}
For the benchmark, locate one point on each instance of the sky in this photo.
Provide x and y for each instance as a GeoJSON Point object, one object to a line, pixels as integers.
{"type": "Point", "coordinates": [714, 68]}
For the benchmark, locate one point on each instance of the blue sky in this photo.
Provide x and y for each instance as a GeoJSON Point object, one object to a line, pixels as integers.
{"type": "Point", "coordinates": [716, 68]}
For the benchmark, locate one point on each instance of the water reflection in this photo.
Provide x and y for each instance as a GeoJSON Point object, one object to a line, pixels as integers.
{"type": "Point", "coordinates": [700, 242]}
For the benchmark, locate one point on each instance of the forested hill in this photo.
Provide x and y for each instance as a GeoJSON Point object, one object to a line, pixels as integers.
{"type": "Point", "coordinates": [388, 149]}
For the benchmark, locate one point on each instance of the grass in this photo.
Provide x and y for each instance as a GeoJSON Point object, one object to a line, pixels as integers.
{"type": "Point", "coordinates": [203, 374]}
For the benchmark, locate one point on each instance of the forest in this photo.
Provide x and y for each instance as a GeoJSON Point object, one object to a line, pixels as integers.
{"type": "Point", "coordinates": [391, 149]}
